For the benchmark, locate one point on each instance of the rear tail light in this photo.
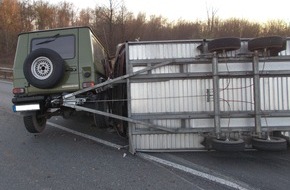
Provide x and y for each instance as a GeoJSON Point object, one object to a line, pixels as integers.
{"type": "Point", "coordinates": [88, 84]}
{"type": "Point", "coordinates": [18, 90]}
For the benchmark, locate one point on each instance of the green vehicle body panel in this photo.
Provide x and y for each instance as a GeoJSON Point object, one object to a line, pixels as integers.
{"type": "Point", "coordinates": [89, 56]}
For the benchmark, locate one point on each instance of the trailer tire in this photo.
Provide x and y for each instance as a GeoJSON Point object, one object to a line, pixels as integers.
{"type": "Point", "coordinates": [272, 144]}
{"type": "Point", "coordinates": [232, 145]}
{"type": "Point", "coordinates": [275, 52]}
{"type": "Point", "coordinates": [224, 44]}
{"type": "Point", "coordinates": [274, 44]}
{"type": "Point", "coordinates": [43, 68]}
{"type": "Point", "coordinates": [33, 123]}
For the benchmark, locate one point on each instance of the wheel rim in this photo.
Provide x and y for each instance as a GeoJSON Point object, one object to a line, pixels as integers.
{"type": "Point", "coordinates": [41, 68]}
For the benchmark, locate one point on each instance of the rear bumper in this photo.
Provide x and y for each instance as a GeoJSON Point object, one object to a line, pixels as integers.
{"type": "Point", "coordinates": [29, 103]}
{"type": "Point", "coordinates": [25, 100]}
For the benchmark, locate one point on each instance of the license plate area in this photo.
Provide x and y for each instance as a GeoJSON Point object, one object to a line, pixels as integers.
{"type": "Point", "coordinates": [27, 107]}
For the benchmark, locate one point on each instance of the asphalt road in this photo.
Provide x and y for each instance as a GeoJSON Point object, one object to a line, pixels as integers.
{"type": "Point", "coordinates": [59, 159]}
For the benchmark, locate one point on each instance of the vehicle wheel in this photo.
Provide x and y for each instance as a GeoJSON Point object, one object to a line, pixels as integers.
{"type": "Point", "coordinates": [224, 44]}
{"type": "Point", "coordinates": [101, 121]}
{"type": "Point", "coordinates": [228, 145]}
{"type": "Point", "coordinates": [272, 144]}
{"type": "Point", "coordinates": [273, 43]}
{"type": "Point", "coordinates": [34, 124]}
{"type": "Point", "coordinates": [43, 68]}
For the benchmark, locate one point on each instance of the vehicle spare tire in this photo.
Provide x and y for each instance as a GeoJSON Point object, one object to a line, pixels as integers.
{"type": "Point", "coordinates": [43, 68]}
{"type": "Point", "coordinates": [276, 43]}
{"type": "Point", "coordinates": [224, 44]}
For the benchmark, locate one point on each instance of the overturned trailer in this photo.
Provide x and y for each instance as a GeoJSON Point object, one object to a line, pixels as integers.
{"type": "Point", "coordinates": [227, 94]}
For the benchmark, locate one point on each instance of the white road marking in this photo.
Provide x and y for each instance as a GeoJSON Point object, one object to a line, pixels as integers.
{"type": "Point", "coordinates": [98, 140]}
{"type": "Point", "coordinates": [155, 159]}
{"type": "Point", "coordinates": [192, 171]}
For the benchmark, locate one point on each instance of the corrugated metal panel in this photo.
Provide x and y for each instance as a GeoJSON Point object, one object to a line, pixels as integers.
{"type": "Point", "coordinates": [193, 95]}
{"type": "Point", "coordinates": [168, 141]}
{"type": "Point", "coordinates": [167, 69]}
{"type": "Point", "coordinates": [163, 51]}
{"type": "Point", "coordinates": [236, 94]}
{"type": "Point", "coordinates": [168, 123]}
{"type": "Point", "coordinates": [171, 96]}
{"type": "Point", "coordinates": [275, 93]}
{"type": "Point", "coordinates": [274, 66]}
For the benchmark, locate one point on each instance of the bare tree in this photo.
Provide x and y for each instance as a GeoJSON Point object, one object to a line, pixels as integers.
{"type": "Point", "coordinates": [27, 15]}
{"type": "Point", "coordinates": [65, 14]}
{"type": "Point", "coordinates": [45, 15]}
{"type": "Point", "coordinates": [10, 25]}
{"type": "Point", "coordinates": [122, 17]}
{"type": "Point", "coordinates": [212, 22]}
{"type": "Point", "coordinates": [155, 25]}
{"type": "Point", "coordinates": [276, 27]}
{"type": "Point", "coordinates": [105, 23]}
{"type": "Point", "coordinates": [85, 17]}
{"type": "Point", "coordinates": [113, 23]}
{"type": "Point", "coordinates": [135, 27]}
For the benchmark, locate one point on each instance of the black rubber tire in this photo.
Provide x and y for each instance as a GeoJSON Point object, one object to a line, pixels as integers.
{"type": "Point", "coordinates": [224, 44]}
{"type": "Point", "coordinates": [272, 43]}
{"type": "Point", "coordinates": [101, 121]}
{"type": "Point", "coordinates": [119, 93]}
{"type": "Point", "coordinates": [43, 68]}
{"type": "Point", "coordinates": [274, 144]}
{"type": "Point", "coordinates": [275, 52]}
{"type": "Point", "coordinates": [232, 145]}
{"type": "Point", "coordinates": [34, 124]}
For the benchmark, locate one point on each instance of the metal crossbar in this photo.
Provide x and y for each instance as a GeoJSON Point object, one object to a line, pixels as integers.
{"type": "Point", "coordinates": [67, 102]}
{"type": "Point", "coordinates": [111, 81]}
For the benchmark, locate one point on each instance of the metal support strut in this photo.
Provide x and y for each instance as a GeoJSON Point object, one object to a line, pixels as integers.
{"type": "Point", "coordinates": [70, 100]}
{"type": "Point", "coordinates": [257, 95]}
{"type": "Point", "coordinates": [111, 81]}
{"type": "Point", "coordinates": [216, 95]}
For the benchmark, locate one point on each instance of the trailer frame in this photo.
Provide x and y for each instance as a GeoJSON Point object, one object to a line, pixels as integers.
{"type": "Point", "coordinates": [144, 71]}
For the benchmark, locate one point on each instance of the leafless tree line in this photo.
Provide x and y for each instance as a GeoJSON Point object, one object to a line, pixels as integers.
{"type": "Point", "coordinates": [114, 24]}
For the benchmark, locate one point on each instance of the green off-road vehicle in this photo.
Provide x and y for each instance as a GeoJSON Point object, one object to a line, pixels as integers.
{"type": "Point", "coordinates": [51, 63]}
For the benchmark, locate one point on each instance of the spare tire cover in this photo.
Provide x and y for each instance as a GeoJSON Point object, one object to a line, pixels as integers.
{"type": "Point", "coordinates": [43, 68]}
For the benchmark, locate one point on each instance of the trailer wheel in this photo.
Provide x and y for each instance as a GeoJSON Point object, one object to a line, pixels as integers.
{"type": "Point", "coordinates": [43, 68]}
{"type": "Point", "coordinates": [228, 145]}
{"type": "Point", "coordinates": [274, 44]}
{"type": "Point", "coordinates": [34, 123]}
{"type": "Point", "coordinates": [272, 144]}
{"type": "Point", "coordinates": [224, 44]}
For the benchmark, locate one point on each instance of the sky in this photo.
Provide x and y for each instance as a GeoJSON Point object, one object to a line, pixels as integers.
{"type": "Point", "coordinates": [192, 10]}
